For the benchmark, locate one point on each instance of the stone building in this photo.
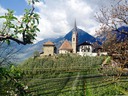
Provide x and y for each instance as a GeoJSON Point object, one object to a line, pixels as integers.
{"type": "Point", "coordinates": [49, 48]}
{"type": "Point", "coordinates": [84, 49]}
{"type": "Point", "coordinates": [65, 48]}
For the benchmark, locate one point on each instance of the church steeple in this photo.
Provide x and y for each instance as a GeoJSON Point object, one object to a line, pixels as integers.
{"type": "Point", "coordinates": [74, 38]}
{"type": "Point", "coordinates": [75, 27]}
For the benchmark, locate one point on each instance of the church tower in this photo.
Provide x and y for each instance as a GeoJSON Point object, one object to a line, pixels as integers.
{"type": "Point", "coordinates": [74, 38]}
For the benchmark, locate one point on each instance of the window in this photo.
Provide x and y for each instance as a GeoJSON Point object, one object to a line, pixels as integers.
{"type": "Point", "coordinates": [73, 39]}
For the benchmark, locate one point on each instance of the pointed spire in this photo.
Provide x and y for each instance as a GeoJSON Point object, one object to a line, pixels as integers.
{"type": "Point", "coordinates": [75, 26]}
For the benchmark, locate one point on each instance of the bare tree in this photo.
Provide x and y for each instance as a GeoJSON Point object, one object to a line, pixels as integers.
{"type": "Point", "coordinates": [111, 19]}
{"type": "Point", "coordinates": [115, 16]}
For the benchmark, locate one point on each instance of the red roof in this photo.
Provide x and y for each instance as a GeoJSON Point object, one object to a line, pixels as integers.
{"type": "Point", "coordinates": [48, 43]}
{"type": "Point", "coordinates": [66, 46]}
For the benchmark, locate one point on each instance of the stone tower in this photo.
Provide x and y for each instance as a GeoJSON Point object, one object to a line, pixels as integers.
{"type": "Point", "coordinates": [74, 38]}
{"type": "Point", "coordinates": [49, 48]}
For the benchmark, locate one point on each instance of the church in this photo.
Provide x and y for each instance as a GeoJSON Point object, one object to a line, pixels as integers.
{"type": "Point", "coordinates": [82, 49]}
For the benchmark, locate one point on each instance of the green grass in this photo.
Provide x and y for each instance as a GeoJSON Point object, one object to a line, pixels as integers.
{"type": "Point", "coordinates": [67, 75]}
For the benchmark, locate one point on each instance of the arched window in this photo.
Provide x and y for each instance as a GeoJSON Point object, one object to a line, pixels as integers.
{"type": "Point", "coordinates": [73, 39]}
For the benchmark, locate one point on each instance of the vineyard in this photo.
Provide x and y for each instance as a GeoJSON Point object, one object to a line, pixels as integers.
{"type": "Point", "coordinates": [67, 75]}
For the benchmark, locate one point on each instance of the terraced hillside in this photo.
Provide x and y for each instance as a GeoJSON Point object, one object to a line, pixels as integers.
{"type": "Point", "coordinates": [67, 75]}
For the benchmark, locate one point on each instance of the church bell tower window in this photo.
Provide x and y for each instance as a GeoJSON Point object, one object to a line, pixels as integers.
{"type": "Point", "coordinates": [73, 39]}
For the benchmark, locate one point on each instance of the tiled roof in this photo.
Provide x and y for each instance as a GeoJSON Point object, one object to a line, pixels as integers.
{"type": "Point", "coordinates": [85, 43]}
{"type": "Point", "coordinates": [66, 46]}
{"type": "Point", "coordinates": [48, 43]}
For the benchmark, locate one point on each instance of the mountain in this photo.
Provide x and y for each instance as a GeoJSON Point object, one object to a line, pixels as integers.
{"type": "Point", "coordinates": [119, 37]}
{"type": "Point", "coordinates": [26, 51]}
{"type": "Point", "coordinates": [82, 36]}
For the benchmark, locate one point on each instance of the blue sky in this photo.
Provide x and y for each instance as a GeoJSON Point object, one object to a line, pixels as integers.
{"type": "Point", "coordinates": [57, 16]}
{"type": "Point", "coordinates": [17, 5]}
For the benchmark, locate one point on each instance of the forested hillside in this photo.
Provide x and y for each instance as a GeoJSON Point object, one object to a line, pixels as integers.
{"type": "Point", "coordinates": [69, 75]}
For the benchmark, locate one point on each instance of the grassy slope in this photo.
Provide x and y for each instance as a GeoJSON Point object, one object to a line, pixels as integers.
{"type": "Point", "coordinates": [67, 75]}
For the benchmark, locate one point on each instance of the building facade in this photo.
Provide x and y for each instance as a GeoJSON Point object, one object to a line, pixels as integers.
{"type": "Point", "coordinates": [85, 49]}
{"type": "Point", "coordinates": [49, 48]}
{"type": "Point", "coordinates": [82, 49]}
{"type": "Point", "coordinates": [65, 48]}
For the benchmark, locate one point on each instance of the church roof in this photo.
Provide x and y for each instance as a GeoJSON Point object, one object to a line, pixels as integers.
{"type": "Point", "coordinates": [48, 43]}
{"type": "Point", "coordinates": [66, 46]}
{"type": "Point", "coordinates": [85, 43]}
{"type": "Point", "coordinates": [75, 27]}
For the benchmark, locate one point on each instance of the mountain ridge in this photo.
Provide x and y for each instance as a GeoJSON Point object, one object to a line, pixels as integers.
{"type": "Point", "coordinates": [28, 50]}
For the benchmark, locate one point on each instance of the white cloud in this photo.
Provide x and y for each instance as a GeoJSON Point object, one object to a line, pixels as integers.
{"type": "Point", "coordinates": [2, 11]}
{"type": "Point", "coordinates": [58, 16]}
